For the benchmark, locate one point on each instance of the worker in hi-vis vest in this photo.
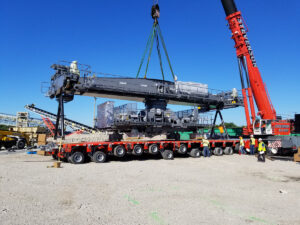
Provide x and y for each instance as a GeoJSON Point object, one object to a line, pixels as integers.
{"type": "Point", "coordinates": [261, 150]}
{"type": "Point", "coordinates": [252, 145]}
{"type": "Point", "coordinates": [242, 146]}
{"type": "Point", "coordinates": [205, 144]}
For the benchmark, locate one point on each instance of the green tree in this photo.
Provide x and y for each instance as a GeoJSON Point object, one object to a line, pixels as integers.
{"type": "Point", "coordinates": [231, 125]}
{"type": "Point", "coordinates": [3, 127]}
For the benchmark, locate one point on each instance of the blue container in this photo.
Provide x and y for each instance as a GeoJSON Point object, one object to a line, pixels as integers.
{"type": "Point", "coordinates": [31, 152]}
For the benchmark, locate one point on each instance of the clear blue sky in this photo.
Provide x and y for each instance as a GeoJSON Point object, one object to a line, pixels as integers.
{"type": "Point", "coordinates": [111, 36]}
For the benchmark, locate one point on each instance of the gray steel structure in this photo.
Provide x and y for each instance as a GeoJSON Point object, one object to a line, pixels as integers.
{"type": "Point", "coordinates": [136, 89]}
{"type": "Point", "coordinates": [155, 93]}
{"type": "Point", "coordinates": [127, 118]}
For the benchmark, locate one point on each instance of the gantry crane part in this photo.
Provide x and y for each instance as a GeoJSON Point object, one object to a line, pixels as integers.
{"type": "Point", "coordinates": [156, 94]}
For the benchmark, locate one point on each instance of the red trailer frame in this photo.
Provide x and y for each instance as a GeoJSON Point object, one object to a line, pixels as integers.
{"type": "Point", "coordinates": [79, 152]}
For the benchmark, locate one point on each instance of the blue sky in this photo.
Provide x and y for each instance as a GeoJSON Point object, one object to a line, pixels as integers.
{"type": "Point", "coordinates": [111, 37]}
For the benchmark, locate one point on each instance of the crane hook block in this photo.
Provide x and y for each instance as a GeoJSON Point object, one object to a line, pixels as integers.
{"type": "Point", "coordinates": [155, 12]}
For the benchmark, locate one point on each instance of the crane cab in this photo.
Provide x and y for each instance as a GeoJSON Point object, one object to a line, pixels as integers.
{"type": "Point", "coordinates": [262, 127]}
{"type": "Point", "coordinates": [271, 127]}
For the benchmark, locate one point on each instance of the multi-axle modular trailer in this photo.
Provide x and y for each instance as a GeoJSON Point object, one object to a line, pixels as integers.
{"type": "Point", "coordinates": [98, 152]}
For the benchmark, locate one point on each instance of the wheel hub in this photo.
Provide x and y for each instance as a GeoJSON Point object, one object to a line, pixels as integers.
{"type": "Point", "coordinates": [120, 151]}
{"type": "Point", "coordinates": [138, 150]}
{"type": "Point", "coordinates": [100, 157]}
{"type": "Point", "coordinates": [154, 149]}
{"type": "Point", "coordinates": [77, 158]}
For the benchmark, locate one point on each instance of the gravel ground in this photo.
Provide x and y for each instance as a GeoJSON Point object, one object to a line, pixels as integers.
{"type": "Point", "coordinates": [218, 190]}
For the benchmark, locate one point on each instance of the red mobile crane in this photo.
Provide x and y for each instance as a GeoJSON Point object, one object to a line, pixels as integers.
{"type": "Point", "coordinates": [269, 123]}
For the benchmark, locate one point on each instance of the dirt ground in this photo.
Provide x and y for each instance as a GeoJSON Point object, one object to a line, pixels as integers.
{"type": "Point", "coordinates": [218, 190]}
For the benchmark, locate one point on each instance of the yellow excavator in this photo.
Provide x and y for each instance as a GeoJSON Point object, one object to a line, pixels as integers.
{"type": "Point", "coordinates": [8, 139]}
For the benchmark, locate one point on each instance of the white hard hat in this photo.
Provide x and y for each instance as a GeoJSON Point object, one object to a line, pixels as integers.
{"type": "Point", "coordinates": [259, 139]}
{"type": "Point", "coordinates": [204, 137]}
{"type": "Point", "coordinates": [251, 135]}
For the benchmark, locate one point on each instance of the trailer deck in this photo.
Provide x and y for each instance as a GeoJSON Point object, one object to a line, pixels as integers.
{"type": "Point", "coordinates": [97, 151]}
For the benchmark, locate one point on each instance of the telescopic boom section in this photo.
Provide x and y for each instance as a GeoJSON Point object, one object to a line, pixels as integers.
{"type": "Point", "coordinates": [248, 66]}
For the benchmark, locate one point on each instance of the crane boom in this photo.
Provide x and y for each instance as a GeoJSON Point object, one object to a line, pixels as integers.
{"type": "Point", "coordinates": [248, 68]}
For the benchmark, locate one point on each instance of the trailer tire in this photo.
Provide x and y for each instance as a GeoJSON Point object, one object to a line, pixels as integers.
{"type": "Point", "coordinates": [195, 153]}
{"type": "Point", "coordinates": [21, 144]}
{"type": "Point", "coordinates": [237, 148]}
{"type": "Point", "coordinates": [119, 151]}
{"type": "Point", "coordinates": [182, 149]}
{"type": "Point", "coordinates": [77, 158]}
{"type": "Point", "coordinates": [137, 150]}
{"type": "Point", "coordinates": [153, 149]}
{"type": "Point", "coordinates": [99, 157]}
{"type": "Point", "coordinates": [228, 151]}
{"type": "Point", "coordinates": [218, 151]}
{"type": "Point", "coordinates": [167, 154]}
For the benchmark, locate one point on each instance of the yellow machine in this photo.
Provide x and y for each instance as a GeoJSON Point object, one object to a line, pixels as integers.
{"type": "Point", "coordinates": [9, 139]}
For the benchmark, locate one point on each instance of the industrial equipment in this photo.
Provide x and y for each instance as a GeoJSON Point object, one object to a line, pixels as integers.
{"type": "Point", "coordinates": [277, 132]}
{"type": "Point", "coordinates": [24, 126]}
{"type": "Point", "coordinates": [74, 79]}
{"type": "Point", "coordinates": [128, 119]}
{"type": "Point", "coordinates": [8, 139]}
{"type": "Point", "coordinates": [22, 119]}
{"type": "Point", "coordinates": [156, 94]}
{"type": "Point", "coordinates": [98, 151]}
{"type": "Point", "coordinates": [48, 116]}
{"type": "Point", "coordinates": [155, 118]}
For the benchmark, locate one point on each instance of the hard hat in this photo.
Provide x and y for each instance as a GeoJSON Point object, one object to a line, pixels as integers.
{"type": "Point", "coordinates": [251, 136]}
{"type": "Point", "coordinates": [204, 137]}
{"type": "Point", "coordinates": [75, 62]}
{"type": "Point", "coordinates": [241, 137]}
{"type": "Point", "coordinates": [259, 139]}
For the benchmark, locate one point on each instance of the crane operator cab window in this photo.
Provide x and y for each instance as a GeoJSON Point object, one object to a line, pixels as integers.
{"type": "Point", "coordinates": [262, 127]}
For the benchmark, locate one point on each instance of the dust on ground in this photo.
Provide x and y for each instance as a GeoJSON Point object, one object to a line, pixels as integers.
{"type": "Point", "coordinates": [218, 190]}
